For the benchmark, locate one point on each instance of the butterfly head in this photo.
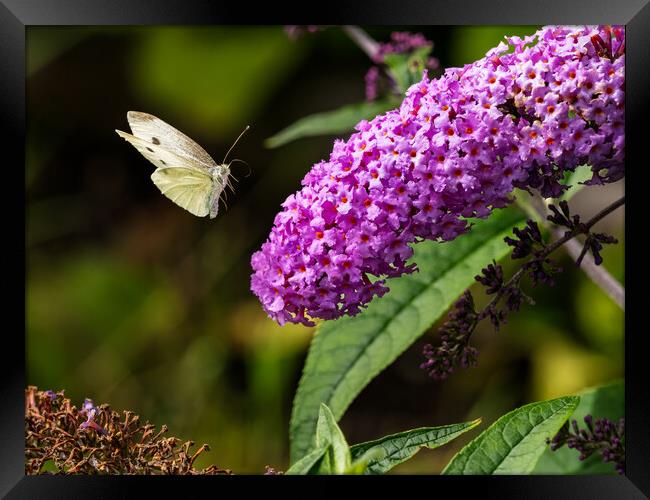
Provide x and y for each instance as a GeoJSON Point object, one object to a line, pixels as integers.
{"type": "Point", "coordinates": [220, 173]}
{"type": "Point", "coordinates": [221, 179]}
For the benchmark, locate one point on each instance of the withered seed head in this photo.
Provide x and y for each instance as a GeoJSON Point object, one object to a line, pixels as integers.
{"type": "Point", "coordinates": [98, 440]}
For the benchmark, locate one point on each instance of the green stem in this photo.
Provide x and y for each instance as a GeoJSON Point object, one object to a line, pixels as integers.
{"type": "Point", "coordinates": [362, 39]}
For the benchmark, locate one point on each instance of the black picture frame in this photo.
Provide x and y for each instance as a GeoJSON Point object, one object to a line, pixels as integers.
{"type": "Point", "coordinates": [17, 15]}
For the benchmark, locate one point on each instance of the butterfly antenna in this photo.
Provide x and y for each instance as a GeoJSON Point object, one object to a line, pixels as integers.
{"type": "Point", "coordinates": [236, 141]}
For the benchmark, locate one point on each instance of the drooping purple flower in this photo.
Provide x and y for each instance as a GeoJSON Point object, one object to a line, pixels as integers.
{"type": "Point", "coordinates": [601, 436]}
{"type": "Point", "coordinates": [455, 334]}
{"type": "Point", "coordinates": [458, 145]}
{"type": "Point", "coordinates": [89, 410]}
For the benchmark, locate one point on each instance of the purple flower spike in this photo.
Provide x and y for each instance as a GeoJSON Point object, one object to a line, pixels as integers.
{"type": "Point", "coordinates": [522, 116]}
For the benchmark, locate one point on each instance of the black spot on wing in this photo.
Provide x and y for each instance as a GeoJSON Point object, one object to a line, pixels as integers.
{"type": "Point", "coordinates": [149, 149]}
{"type": "Point", "coordinates": [155, 140]}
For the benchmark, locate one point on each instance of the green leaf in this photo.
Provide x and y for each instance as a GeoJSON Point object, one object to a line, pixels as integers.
{"type": "Point", "coordinates": [328, 434]}
{"type": "Point", "coordinates": [385, 453]}
{"type": "Point", "coordinates": [573, 179]}
{"type": "Point", "coordinates": [330, 122]}
{"type": "Point", "coordinates": [406, 69]}
{"type": "Point", "coordinates": [514, 443]}
{"type": "Point", "coordinates": [307, 463]}
{"type": "Point", "coordinates": [346, 354]}
{"type": "Point", "coordinates": [358, 467]}
{"type": "Point", "coordinates": [601, 402]}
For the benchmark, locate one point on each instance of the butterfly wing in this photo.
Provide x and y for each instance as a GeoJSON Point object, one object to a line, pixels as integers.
{"type": "Point", "coordinates": [189, 188]}
{"type": "Point", "coordinates": [155, 131]}
{"type": "Point", "coordinates": [159, 156]}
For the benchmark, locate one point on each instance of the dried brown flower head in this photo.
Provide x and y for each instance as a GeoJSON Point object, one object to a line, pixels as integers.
{"type": "Point", "coordinates": [98, 440]}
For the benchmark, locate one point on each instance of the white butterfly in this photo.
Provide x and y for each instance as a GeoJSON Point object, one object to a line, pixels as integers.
{"type": "Point", "coordinates": [184, 173]}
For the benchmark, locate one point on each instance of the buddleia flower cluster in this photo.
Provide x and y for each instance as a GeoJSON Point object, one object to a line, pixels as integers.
{"type": "Point", "coordinates": [532, 109]}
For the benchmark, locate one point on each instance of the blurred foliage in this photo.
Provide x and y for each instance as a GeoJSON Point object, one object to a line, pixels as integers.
{"type": "Point", "coordinates": [406, 69]}
{"type": "Point", "coordinates": [213, 77]}
{"type": "Point", "coordinates": [46, 44]}
{"type": "Point", "coordinates": [337, 121]}
{"type": "Point", "coordinates": [469, 43]}
{"type": "Point", "coordinates": [134, 301]}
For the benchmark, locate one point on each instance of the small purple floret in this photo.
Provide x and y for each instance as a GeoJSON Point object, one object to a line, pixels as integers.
{"type": "Point", "coordinates": [90, 411]}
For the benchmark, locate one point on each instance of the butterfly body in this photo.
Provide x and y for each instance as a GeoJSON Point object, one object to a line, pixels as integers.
{"type": "Point", "coordinates": [185, 173]}
{"type": "Point", "coordinates": [220, 177]}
